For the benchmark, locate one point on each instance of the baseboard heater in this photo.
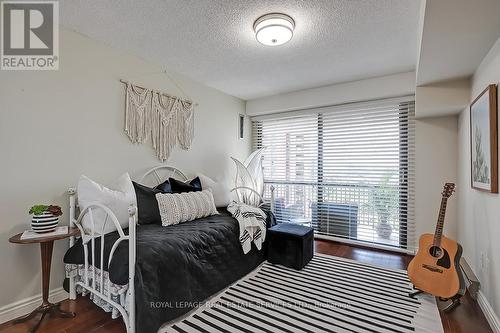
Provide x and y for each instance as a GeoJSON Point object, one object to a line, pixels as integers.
{"type": "Point", "coordinates": [471, 281]}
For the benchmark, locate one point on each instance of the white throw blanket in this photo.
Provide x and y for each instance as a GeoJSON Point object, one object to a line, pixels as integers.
{"type": "Point", "coordinates": [252, 221]}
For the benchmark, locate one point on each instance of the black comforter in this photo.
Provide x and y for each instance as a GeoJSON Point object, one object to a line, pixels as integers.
{"type": "Point", "coordinates": [177, 266]}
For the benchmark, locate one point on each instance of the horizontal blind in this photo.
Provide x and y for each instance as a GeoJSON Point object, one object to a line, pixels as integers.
{"type": "Point", "coordinates": [349, 171]}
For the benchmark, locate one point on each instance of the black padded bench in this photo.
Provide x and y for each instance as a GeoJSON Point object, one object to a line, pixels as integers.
{"type": "Point", "coordinates": [290, 245]}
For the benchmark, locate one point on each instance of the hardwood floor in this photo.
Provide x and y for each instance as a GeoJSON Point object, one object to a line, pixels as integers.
{"type": "Point", "coordinates": [466, 318]}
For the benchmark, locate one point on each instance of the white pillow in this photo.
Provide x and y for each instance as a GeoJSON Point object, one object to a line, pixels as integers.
{"type": "Point", "coordinates": [176, 208]}
{"type": "Point", "coordinates": [220, 190]}
{"type": "Point", "coordinates": [117, 200]}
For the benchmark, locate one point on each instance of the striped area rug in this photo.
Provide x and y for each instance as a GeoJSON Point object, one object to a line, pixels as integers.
{"type": "Point", "coordinates": [330, 294]}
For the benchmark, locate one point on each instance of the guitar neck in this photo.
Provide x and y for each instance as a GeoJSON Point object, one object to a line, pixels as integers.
{"type": "Point", "coordinates": [440, 222]}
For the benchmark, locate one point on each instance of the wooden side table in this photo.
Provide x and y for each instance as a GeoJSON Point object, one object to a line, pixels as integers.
{"type": "Point", "coordinates": [46, 246]}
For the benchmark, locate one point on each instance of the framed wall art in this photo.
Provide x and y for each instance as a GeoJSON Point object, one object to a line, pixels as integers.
{"type": "Point", "coordinates": [484, 141]}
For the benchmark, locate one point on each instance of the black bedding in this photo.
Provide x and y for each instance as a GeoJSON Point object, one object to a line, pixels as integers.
{"type": "Point", "coordinates": [177, 266]}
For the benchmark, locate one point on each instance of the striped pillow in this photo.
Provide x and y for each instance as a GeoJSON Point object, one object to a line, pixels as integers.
{"type": "Point", "coordinates": [176, 208]}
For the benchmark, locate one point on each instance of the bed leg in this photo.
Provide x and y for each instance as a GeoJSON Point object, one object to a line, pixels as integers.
{"type": "Point", "coordinates": [131, 269]}
{"type": "Point", "coordinates": [72, 217]}
{"type": "Point", "coordinates": [72, 288]}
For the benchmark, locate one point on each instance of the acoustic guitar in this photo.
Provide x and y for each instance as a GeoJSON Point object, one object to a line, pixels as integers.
{"type": "Point", "coordinates": [434, 269]}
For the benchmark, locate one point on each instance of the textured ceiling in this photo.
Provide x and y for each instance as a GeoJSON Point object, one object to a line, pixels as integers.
{"type": "Point", "coordinates": [212, 41]}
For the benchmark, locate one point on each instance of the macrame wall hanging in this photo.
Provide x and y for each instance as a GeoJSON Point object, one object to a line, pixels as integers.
{"type": "Point", "coordinates": [165, 120]}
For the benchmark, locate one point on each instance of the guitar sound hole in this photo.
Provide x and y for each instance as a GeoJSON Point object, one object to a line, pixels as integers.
{"type": "Point", "coordinates": [435, 251]}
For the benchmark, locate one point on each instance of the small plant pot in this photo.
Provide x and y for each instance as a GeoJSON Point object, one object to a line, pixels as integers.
{"type": "Point", "coordinates": [384, 230]}
{"type": "Point", "coordinates": [45, 222]}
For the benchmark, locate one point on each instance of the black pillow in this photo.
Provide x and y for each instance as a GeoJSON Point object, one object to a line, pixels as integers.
{"type": "Point", "coordinates": [147, 206]}
{"type": "Point", "coordinates": [180, 187]}
{"type": "Point", "coordinates": [164, 187]}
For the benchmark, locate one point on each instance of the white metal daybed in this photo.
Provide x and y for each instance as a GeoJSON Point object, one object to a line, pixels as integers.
{"type": "Point", "coordinates": [95, 282]}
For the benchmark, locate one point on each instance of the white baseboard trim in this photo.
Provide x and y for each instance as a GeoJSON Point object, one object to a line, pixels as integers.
{"type": "Point", "coordinates": [490, 315]}
{"type": "Point", "coordinates": [25, 306]}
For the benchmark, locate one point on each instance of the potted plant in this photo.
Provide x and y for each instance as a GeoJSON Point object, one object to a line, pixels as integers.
{"type": "Point", "coordinates": [45, 217]}
{"type": "Point", "coordinates": [384, 200]}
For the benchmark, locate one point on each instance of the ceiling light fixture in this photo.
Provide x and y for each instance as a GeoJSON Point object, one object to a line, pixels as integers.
{"type": "Point", "coordinates": [274, 29]}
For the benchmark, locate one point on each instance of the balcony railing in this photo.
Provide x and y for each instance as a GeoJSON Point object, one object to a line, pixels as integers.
{"type": "Point", "coordinates": [342, 210]}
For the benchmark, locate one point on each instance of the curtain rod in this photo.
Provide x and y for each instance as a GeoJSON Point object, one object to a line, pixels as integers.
{"type": "Point", "coordinates": [161, 92]}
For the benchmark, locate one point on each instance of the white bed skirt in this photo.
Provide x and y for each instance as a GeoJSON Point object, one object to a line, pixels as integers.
{"type": "Point", "coordinates": [116, 292]}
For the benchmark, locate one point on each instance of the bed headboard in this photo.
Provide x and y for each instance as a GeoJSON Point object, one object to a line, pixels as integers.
{"type": "Point", "coordinates": [159, 174]}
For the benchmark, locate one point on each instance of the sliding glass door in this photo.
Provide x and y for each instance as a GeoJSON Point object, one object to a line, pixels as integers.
{"type": "Point", "coordinates": [346, 171]}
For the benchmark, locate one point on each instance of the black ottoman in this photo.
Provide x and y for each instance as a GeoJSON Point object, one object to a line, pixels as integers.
{"type": "Point", "coordinates": [290, 245]}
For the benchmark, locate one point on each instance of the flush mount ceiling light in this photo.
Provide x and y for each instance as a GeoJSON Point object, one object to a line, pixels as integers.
{"type": "Point", "coordinates": [274, 29]}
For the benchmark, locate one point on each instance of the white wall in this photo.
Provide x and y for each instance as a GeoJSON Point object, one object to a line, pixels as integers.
{"type": "Point", "coordinates": [435, 164]}
{"type": "Point", "coordinates": [57, 125]}
{"type": "Point", "coordinates": [479, 212]}
{"type": "Point", "coordinates": [364, 90]}
{"type": "Point", "coordinates": [442, 98]}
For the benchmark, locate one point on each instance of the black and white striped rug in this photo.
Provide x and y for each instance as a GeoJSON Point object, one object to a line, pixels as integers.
{"type": "Point", "coordinates": [330, 294]}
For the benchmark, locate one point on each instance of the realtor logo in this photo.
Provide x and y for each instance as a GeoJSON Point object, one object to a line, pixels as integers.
{"type": "Point", "coordinates": [29, 35]}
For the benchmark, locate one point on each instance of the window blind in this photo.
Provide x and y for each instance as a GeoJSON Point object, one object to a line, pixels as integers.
{"type": "Point", "coordinates": [348, 171]}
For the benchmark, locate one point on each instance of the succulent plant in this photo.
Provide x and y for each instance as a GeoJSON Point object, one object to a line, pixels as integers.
{"type": "Point", "coordinates": [55, 210]}
{"type": "Point", "coordinates": [40, 209]}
